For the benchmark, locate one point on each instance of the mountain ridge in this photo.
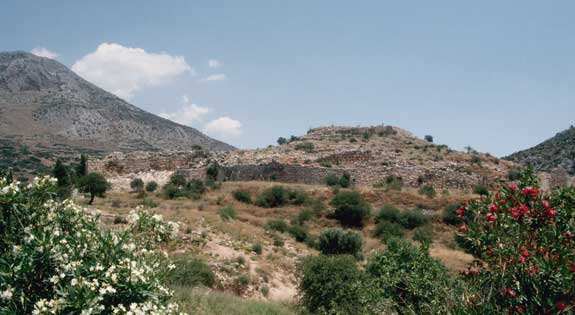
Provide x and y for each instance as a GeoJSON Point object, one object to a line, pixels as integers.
{"type": "Point", "coordinates": [44, 105]}
{"type": "Point", "coordinates": [555, 152]}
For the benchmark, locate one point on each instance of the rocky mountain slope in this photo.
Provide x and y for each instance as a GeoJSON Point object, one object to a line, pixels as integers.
{"type": "Point", "coordinates": [46, 107]}
{"type": "Point", "coordinates": [556, 152]}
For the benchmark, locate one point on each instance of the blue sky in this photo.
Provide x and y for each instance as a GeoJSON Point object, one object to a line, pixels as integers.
{"type": "Point", "coordinates": [496, 75]}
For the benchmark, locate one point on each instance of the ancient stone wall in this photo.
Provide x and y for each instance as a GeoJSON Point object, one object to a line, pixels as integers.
{"type": "Point", "coordinates": [129, 163]}
{"type": "Point", "coordinates": [284, 173]}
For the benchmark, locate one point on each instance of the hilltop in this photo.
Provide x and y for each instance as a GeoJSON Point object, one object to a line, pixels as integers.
{"type": "Point", "coordinates": [373, 156]}
{"type": "Point", "coordinates": [556, 152]}
{"type": "Point", "coordinates": [48, 110]}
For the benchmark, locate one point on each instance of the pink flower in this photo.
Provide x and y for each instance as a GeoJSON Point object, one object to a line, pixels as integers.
{"type": "Point", "coordinates": [512, 186]}
{"type": "Point", "coordinates": [545, 203]}
{"type": "Point", "coordinates": [560, 305]}
{"type": "Point", "coordinates": [459, 211]}
{"type": "Point", "coordinates": [523, 209]}
{"type": "Point", "coordinates": [491, 217]}
{"type": "Point", "coordinates": [463, 229]}
{"type": "Point", "coordinates": [492, 208]}
{"type": "Point", "coordinates": [521, 259]}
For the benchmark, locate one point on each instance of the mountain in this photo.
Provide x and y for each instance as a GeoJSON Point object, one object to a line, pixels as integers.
{"type": "Point", "coordinates": [557, 152]}
{"type": "Point", "coordinates": [47, 109]}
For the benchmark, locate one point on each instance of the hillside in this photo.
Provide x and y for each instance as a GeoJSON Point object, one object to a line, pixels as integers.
{"type": "Point", "coordinates": [48, 110]}
{"type": "Point", "coordinates": [373, 156]}
{"type": "Point", "coordinates": [556, 152]}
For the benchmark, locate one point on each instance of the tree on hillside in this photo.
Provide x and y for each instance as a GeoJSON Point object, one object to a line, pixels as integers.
{"type": "Point", "coordinates": [137, 185]}
{"type": "Point", "coordinates": [82, 167]}
{"type": "Point", "coordinates": [282, 141]}
{"type": "Point", "coordinates": [61, 173]}
{"type": "Point", "coordinates": [94, 184]}
{"type": "Point", "coordinates": [428, 138]}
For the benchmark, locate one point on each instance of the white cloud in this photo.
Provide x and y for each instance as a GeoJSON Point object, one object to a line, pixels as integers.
{"type": "Point", "coordinates": [126, 70]}
{"type": "Point", "coordinates": [224, 127]}
{"type": "Point", "coordinates": [44, 52]}
{"type": "Point", "coordinates": [188, 113]}
{"type": "Point", "coordinates": [214, 63]}
{"type": "Point", "coordinates": [215, 77]}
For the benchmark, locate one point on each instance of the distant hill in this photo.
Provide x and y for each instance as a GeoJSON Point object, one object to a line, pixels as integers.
{"type": "Point", "coordinates": [47, 110]}
{"type": "Point", "coordinates": [557, 152]}
{"type": "Point", "coordinates": [379, 156]}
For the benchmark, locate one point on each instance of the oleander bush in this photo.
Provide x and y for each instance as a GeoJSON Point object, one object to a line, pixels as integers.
{"type": "Point", "coordinates": [55, 258]}
{"type": "Point", "coordinates": [524, 241]}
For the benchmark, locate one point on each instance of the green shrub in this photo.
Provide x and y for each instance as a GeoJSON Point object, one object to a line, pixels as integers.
{"type": "Point", "coordinates": [427, 190]}
{"type": "Point", "coordinates": [331, 180]}
{"type": "Point", "coordinates": [412, 218]}
{"type": "Point", "coordinates": [423, 234]}
{"type": "Point", "coordinates": [388, 213]}
{"type": "Point", "coordinates": [150, 203]}
{"type": "Point", "coordinates": [393, 183]}
{"type": "Point", "coordinates": [298, 232]}
{"type": "Point", "coordinates": [212, 172]}
{"type": "Point", "coordinates": [241, 283]}
{"type": "Point", "coordinates": [137, 184]}
{"type": "Point", "coordinates": [257, 248]}
{"type": "Point", "coordinates": [296, 197]}
{"type": "Point", "coordinates": [481, 190]}
{"type": "Point", "coordinates": [191, 271]}
{"type": "Point", "coordinates": [151, 186]}
{"type": "Point", "coordinates": [428, 138]}
{"type": "Point", "coordinates": [277, 225]}
{"type": "Point", "coordinates": [227, 213]}
{"type": "Point", "coordinates": [54, 251]}
{"type": "Point", "coordinates": [385, 230]}
{"type": "Point", "coordinates": [345, 180]}
{"type": "Point", "coordinates": [350, 209]}
{"type": "Point", "coordinates": [476, 160]}
{"type": "Point", "coordinates": [171, 191]}
{"type": "Point", "coordinates": [273, 197]}
{"type": "Point", "coordinates": [412, 281]}
{"type": "Point", "coordinates": [303, 216]}
{"type": "Point", "coordinates": [195, 188]}
{"type": "Point", "coordinates": [337, 242]}
{"type": "Point", "coordinates": [243, 195]}
{"type": "Point", "coordinates": [178, 180]}
{"type": "Point", "coordinates": [278, 241]}
{"type": "Point", "coordinates": [330, 285]}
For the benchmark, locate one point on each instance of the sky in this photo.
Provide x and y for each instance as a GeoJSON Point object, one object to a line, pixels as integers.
{"type": "Point", "coordinates": [498, 76]}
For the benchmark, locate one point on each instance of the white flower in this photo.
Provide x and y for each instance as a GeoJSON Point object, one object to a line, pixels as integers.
{"type": "Point", "coordinates": [7, 294]}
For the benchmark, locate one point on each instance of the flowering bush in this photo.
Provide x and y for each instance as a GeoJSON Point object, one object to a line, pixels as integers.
{"type": "Point", "coordinates": [55, 259]}
{"type": "Point", "coordinates": [524, 242]}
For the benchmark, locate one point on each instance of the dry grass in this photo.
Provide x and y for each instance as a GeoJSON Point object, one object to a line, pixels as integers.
{"type": "Point", "coordinates": [223, 241]}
